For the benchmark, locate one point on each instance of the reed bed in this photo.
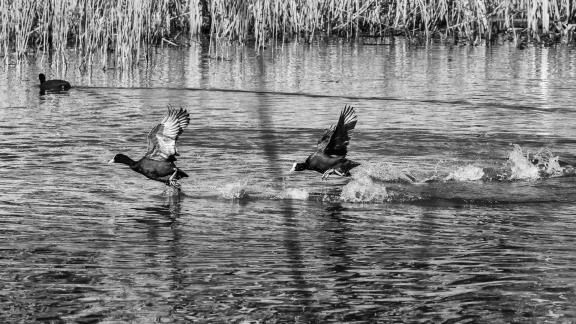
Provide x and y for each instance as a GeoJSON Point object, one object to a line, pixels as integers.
{"type": "Point", "coordinates": [94, 28]}
{"type": "Point", "coordinates": [476, 21]}
{"type": "Point", "coordinates": [127, 28]}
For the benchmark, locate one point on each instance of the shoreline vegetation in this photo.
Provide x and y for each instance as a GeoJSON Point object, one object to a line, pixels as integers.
{"type": "Point", "coordinates": [127, 28]}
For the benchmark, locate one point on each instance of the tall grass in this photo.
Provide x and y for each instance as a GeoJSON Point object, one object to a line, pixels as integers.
{"type": "Point", "coordinates": [95, 27]}
{"type": "Point", "coordinates": [477, 21]}
{"type": "Point", "coordinates": [124, 29]}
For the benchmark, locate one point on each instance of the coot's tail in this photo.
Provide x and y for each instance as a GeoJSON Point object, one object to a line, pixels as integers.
{"type": "Point", "coordinates": [181, 174]}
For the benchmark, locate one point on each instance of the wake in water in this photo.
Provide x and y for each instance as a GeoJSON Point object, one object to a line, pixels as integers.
{"type": "Point", "coordinates": [368, 184]}
{"type": "Point", "coordinates": [382, 171]}
{"type": "Point", "coordinates": [245, 190]}
{"type": "Point", "coordinates": [378, 182]}
{"type": "Point", "coordinates": [521, 165]}
{"type": "Point", "coordinates": [248, 188]}
{"type": "Point", "coordinates": [382, 182]}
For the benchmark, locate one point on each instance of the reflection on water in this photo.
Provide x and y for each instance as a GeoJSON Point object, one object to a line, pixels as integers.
{"type": "Point", "coordinates": [84, 241]}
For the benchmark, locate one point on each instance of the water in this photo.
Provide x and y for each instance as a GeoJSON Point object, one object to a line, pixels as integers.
{"type": "Point", "coordinates": [246, 242]}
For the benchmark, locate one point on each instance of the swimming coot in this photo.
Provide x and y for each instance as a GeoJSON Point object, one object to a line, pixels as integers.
{"type": "Point", "coordinates": [158, 163]}
{"type": "Point", "coordinates": [52, 85]}
{"type": "Point", "coordinates": [330, 156]}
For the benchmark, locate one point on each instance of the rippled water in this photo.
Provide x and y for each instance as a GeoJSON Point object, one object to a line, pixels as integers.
{"type": "Point", "coordinates": [85, 241]}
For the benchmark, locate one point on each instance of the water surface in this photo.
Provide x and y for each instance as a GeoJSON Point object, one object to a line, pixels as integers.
{"type": "Point", "coordinates": [85, 241]}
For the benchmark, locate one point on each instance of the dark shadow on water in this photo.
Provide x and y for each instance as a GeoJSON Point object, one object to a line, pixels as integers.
{"type": "Point", "coordinates": [336, 228]}
{"type": "Point", "coordinates": [169, 209]}
{"type": "Point", "coordinates": [160, 218]}
{"type": "Point", "coordinates": [292, 242]}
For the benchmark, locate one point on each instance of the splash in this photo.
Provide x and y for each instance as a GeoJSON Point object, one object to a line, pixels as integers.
{"type": "Point", "coordinates": [382, 171]}
{"type": "Point", "coordinates": [247, 189]}
{"type": "Point", "coordinates": [378, 182]}
{"type": "Point", "coordinates": [170, 191]}
{"type": "Point", "coordinates": [234, 190]}
{"type": "Point", "coordinates": [547, 163]}
{"type": "Point", "coordinates": [466, 173]}
{"type": "Point", "coordinates": [521, 167]}
{"type": "Point", "coordinates": [292, 193]}
{"type": "Point", "coordinates": [364, 190]}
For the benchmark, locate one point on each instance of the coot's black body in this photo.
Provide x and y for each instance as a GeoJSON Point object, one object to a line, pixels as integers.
{"type": "Point", "coordinates": [52, 85]}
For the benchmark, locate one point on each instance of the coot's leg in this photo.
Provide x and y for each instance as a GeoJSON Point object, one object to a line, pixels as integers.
{"type": "Point", "coordinates": [173, 182]}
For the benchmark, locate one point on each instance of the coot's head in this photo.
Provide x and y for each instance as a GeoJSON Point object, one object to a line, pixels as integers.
{"type": "Point", "coordinates": [299, 167]}
{"type": "Point", "coordinates": [42, 78]}
{"type": "Point", "coordinates": [121, 158]}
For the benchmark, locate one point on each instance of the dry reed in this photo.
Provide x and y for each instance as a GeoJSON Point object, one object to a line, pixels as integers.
{"type": "Point", "coordinates": [94, 27]}
{"type": "Point", "coordinates": [126, 28]}
{"type": "Point", "coordinates": [476, 21]}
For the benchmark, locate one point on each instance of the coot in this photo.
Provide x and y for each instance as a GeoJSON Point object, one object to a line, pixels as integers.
{"type": "Point", "coordinates": [158, 162]}
{"type": "Point", "coordinates": [52, 85]}
{"type": "Point", "coordinates": [330, 156]}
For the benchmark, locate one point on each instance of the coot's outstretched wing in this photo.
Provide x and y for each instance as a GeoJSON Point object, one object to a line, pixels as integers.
{"type": "Point", "coordinates": [335, 139]}
{"type": "Point", "coordinates": [162, 138]}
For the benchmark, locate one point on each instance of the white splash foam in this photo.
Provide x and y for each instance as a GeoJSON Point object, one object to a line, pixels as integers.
{"type": "Point", "coordinates": [520, 166]}
{"type": "Point", "coordinates": [170, 191]}
{"type": "Point", "coordinates": [548, 163]}
{"type": "Point", "coordinates": [381, 171]}
{"type": "Point", "coordinates": [553, 168]}
{"type": "Point", "coordinates": [295, 193]}
{"type": "Point", "coordinates": [466, 173]}
{"type": "Point", "coordinates": [363, 189]}
{"type": "Point", "coordinates": [247, 188]}
{"type": "Point", "coordinates": [234, 190]}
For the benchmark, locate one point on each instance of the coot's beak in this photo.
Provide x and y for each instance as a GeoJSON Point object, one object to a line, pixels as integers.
{"type": "Point", "coordinates": [293, 168]}
{"type": "Point", "coordinates": [111, 161]}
